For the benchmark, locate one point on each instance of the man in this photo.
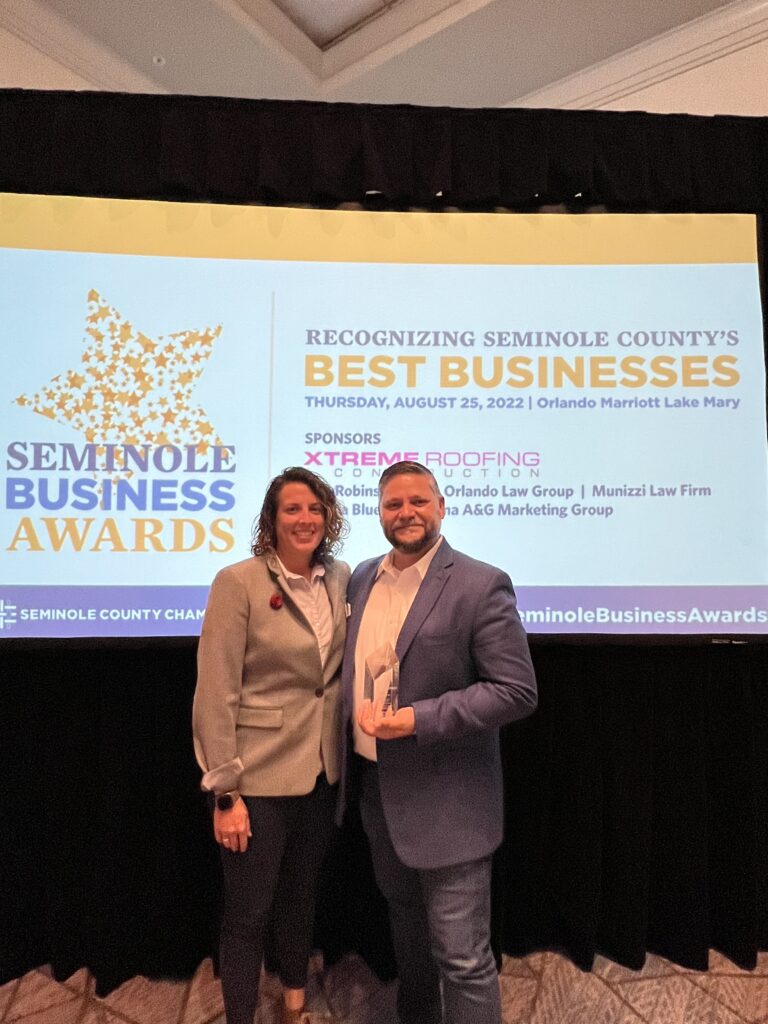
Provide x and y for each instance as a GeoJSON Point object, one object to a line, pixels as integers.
{"type": "Point", "coordinates": [431, 782]}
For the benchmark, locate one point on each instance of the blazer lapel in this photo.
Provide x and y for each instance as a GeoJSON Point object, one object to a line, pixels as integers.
{"type": "Point", "coordinates": [277, 574]}
{"type": "Point", "coordinates": [358, 605]}
{"type": "Point", "coordinates": [333, 588]}
{"type": "Point", "coordinates": [353, 627]}
{"type": "Point", "coordinates": [279, 577]}
{"type": "Point", "coordinates": [428, 593]}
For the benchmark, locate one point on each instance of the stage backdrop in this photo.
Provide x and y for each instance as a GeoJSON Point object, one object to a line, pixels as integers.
{"type": "Point", "coordinates": [588, 390]}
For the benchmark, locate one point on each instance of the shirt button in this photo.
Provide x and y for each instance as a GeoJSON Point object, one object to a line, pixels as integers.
{"type": "Point", "coordinates": [319, 691]}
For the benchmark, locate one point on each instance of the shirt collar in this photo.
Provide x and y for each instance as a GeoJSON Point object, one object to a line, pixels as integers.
{"type": "Point", "coordinates": [317, 570]}
{"type": "Point", "coordinates": [386, 564]}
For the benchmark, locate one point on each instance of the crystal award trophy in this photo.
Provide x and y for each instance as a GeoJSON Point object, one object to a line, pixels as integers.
{"type": "Point", "coordinates": [382, 677]}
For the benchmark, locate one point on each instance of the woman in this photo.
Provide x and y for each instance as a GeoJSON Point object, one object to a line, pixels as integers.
{"type": "Point", "coordinates": [267, 721]}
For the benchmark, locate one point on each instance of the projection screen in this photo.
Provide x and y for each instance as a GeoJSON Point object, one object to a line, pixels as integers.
{"type": "Point", "coordinates": [589, 391]}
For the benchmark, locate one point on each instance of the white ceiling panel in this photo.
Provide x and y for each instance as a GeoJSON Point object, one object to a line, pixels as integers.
{"type": "Point", "coordinates": [326, 20]}
{"type": "Point", "coordinates": [433, 52]}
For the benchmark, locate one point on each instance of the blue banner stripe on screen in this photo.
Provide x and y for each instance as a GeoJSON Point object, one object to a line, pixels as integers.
{"type": "Point", "coordinates": [178, 611]}
{"type": "Point", "coordinates": [101, 611]}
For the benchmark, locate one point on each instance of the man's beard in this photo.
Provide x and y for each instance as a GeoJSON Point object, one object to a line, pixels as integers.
{"type": "Point", "coordinates": [412, 547]}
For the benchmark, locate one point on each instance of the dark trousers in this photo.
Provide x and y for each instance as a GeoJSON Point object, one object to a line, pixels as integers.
{"type": "Point", "coordinates": [440, 920]}
{"type": "Point", "coordinates": [269, 895]}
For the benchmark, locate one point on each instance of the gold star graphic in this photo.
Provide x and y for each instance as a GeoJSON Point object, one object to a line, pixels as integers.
{"type": "Point", "coordinates": [137, 378]}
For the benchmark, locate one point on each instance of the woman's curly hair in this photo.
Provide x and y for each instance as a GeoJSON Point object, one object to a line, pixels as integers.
{"type": "Point", "coordinates": [336, 527]}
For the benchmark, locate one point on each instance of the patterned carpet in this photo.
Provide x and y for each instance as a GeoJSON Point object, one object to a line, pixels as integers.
{"type": "Point", "coordinates": [543, 988]}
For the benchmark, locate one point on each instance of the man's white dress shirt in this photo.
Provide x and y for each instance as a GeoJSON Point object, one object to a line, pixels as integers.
{"type": "Point", "coordinates": [388, 604]}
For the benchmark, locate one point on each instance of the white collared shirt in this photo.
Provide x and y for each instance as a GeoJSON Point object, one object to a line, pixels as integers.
{"type": "Point", "coordinates": [312, 599]}
{"type": "Point", "coordinates": [389, 602]}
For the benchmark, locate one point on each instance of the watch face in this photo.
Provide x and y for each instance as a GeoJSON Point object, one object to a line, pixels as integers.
{"type": "Point", "coordinates": [225, 802]}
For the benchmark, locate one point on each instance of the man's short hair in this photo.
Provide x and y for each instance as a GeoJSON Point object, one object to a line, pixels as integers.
{"type": "Point", "coordinates": [403, 469]}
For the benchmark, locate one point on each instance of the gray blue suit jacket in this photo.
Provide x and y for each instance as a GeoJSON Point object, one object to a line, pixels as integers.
{"type": "Point", "coordinates": [465, 669]}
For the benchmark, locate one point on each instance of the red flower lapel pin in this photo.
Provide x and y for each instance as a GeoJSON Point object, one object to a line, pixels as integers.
{"type": "Point", "coordinates": [276, 601]}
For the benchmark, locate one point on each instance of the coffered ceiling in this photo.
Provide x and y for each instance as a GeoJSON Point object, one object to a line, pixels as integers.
{"type": "Point", "coordinates": [442, 52]}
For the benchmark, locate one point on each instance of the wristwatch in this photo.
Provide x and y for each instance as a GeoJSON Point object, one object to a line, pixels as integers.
{"type": "Point", "coordinates": [226, 801]}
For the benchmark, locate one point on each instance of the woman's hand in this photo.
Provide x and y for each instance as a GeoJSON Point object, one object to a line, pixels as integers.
{"type": "Point", "coordinates": [232, 828]}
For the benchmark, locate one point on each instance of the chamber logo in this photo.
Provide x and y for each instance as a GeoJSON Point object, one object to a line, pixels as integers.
{"type": "Point", "coordinates": [8, 616]}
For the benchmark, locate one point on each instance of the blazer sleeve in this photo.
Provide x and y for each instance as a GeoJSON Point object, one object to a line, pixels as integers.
{"type": "Point", "coordinates": [502, 688]}
{"type": "Point", "coordinates": [220, 662]}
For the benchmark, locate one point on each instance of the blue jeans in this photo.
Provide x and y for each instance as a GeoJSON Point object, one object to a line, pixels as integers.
{"type": "Point", "coordinates": [440, 921]}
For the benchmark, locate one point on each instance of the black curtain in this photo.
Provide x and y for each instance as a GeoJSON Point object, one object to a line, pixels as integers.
{"type": "Point", "coordinates": [243, 151]}
{"type": "Point", "coordinates": [637, 796]}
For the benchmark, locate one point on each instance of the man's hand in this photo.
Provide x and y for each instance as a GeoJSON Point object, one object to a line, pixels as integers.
{"type": "Point", "coordinates": [385, 725]}
{"type": "Point", "coordinates": [232, 828]}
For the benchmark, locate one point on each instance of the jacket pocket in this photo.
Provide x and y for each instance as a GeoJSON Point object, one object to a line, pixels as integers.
{"type": "Point", "coordinates": [260, 718]}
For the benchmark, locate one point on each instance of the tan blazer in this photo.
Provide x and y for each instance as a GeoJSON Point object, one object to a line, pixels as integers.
{"type": "Point", "coordinates": [266, 714]}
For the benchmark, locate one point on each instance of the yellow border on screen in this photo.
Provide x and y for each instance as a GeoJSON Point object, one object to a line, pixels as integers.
{"type": "Point", "coordinates": [213, 231]}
